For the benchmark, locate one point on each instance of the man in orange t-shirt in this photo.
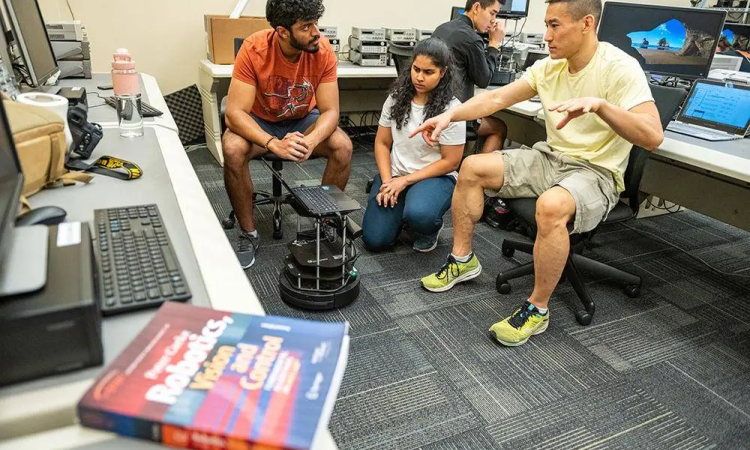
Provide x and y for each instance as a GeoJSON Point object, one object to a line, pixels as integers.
{"type": "Point", "coordinates": [283, 98]}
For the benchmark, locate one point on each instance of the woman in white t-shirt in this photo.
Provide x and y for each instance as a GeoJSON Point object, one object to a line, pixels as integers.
{"type": "Point", "coordinates": [415, 182]}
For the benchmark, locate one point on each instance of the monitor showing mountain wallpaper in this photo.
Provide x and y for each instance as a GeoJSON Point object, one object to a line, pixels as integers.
{"type": "Point", "coordinates": [665, 40]}
{"type": "Point", "coordinates": [737, 35]}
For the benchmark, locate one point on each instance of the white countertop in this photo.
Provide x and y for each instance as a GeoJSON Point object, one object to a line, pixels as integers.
{"type": "Point", "coordinates": [729, 158]}
{"type": "Point", "coordinates": [526, 108]}
{"type": "Point", "coordinates": [346, 69]}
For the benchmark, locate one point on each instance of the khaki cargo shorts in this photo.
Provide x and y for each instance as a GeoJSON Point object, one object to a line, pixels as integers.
{"type": "Point", "coordinates": [529, 172]}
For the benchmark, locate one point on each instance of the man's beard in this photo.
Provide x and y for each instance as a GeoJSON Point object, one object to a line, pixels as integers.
{"type": "Point", "coordinates": [305, 48]}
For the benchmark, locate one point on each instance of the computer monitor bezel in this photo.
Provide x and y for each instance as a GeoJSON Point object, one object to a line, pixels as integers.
{"type": "Point", "coordinates": [738, 25]}
{"type": "Point", "coordinates": [710, 124]}
{"type": "Point", "coordinates": [37, 79]}
{"type": "Point", "coordinates": [8, 217]}
{"type": "Point", "coordinates": [512, 14]}
{"type": "Point", "coordinates": [457, 11]}
{"type": "Point", "coordinates": [707, 11]}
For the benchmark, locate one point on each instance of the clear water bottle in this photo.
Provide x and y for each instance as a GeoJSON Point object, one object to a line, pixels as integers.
{"type": "Point", "coordinates": [127, 94]}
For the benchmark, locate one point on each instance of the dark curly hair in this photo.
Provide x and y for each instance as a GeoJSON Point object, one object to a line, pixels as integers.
{"type": "Point", "coordinates": [439, 98]}
{"type": "Point", "coordinates": [285, 13]}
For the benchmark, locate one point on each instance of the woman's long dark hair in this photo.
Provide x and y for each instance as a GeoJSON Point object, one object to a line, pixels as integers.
{"type": "Point", "coordinates": [438, 99]}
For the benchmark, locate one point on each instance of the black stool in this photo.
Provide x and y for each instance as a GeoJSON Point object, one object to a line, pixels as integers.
{"type": "Point", "coordinates": [276, 198]}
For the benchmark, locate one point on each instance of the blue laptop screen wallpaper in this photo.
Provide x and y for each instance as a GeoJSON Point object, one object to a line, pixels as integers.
{"type": "Point", "coordinates": [719, 104]}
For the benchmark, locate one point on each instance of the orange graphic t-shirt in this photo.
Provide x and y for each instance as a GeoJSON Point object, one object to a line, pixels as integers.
{"type": "Point", "coordinates": [284, 90]}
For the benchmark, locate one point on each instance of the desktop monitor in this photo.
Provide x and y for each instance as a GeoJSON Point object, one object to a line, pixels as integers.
{"type": "Point", "coordinates": [457, 12]}
{"type": "Point", "coordinates": [11, 184]}
{"type": "Point", "coordinates": [514, 9]}
{"type": "Point", "coordinates": [533, 57]}
{"type": "Point", "coordinates": [738, 35]}
{"type": "Point", "coordinates": [508, 10]}
{"type": "Point", "coordinates": [664, 40]}
{"type": "Point", "coordinates": [33, 42]}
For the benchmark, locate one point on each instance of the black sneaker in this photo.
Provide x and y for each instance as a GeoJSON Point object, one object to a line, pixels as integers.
{"type": "Point", "coordinates": [247, 247]}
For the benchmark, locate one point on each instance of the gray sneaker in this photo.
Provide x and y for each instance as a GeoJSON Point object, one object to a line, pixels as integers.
{"type": "Point", "coordinates": [427, 242]}
{"type": "Point", "coordinates": [247, 247]}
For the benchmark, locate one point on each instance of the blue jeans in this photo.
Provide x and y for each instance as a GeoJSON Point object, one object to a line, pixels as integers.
{"type": "Point", "coordinates": [421, 206]}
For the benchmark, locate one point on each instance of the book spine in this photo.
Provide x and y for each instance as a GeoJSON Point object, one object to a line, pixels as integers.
{"type": "Point", "coordinates": [185, 437]}
{"type": "Point", "coordinates": [118, 423]}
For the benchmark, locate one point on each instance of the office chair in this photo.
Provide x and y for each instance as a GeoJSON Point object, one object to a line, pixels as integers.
{"type": "Point", "coordinates": [668, 101]}
{"type": "Point", "coordinates": [402, 57]}
{"type": "Point", "coordinates": [276, 197]}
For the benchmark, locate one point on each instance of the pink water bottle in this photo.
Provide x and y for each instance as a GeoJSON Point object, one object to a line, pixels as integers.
{"type": "Point", "coordinates": [127, 94]}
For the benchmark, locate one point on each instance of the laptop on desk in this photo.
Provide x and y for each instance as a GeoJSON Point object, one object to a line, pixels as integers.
{"type": "Point", "coordinates": [715, 111]}
{"type": "Point", "coordinates": [318, 200]}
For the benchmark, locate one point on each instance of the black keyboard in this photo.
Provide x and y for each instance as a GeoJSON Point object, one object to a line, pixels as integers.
{"type": "Point", "coordinates": [315, 199]}
{"type": "Point", "coordinates": [146, 109]}
{"type": "Point", "coordinates": [136, 262]}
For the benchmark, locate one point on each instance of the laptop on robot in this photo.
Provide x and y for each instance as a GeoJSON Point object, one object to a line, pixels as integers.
{"type": "Point", "coordinates": [319, 200]}
{"type": "Point", "coordinates": [715, 111]}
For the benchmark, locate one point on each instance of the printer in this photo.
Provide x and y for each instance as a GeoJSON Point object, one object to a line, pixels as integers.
{"type": "Point", "coordinates": [732, 76]}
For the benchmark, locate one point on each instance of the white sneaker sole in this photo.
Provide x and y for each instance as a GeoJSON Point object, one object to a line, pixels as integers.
{"type": "Point", "coordinates": [434, 246]}
{"type": "Point", "coordinates": [459, 279]}
{"type": "Point", "coordinates": [249, 265]}
{"type": "Point", "coordinates": [541, 330]}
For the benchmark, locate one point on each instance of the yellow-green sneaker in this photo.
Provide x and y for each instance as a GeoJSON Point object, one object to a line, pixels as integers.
{"type": "Point", "coordinates": [451, 273]}
{"type": "Point", "coordinates": [519, 327]}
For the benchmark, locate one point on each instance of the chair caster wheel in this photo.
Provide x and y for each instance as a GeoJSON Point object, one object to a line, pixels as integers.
{"type": "Point", "coordinates": [504, 288]}
{"type": "Point", "coordinates": [584, 318]}
{"type": "Point", "coordinates": [507, 251]}
{"type": "Point", "coordinates": [277, 233]}
{"type": "Point", "coordinates": [633, 290]}
{"type": "Point", "coordinates": [228, 224]}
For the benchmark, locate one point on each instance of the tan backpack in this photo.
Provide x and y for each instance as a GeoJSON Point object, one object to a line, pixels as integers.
{"type": "Point", "coordinates": [39, 136]}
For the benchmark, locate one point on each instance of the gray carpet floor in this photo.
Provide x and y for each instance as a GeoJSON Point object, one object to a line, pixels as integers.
{"type": "Point", "coordinates": [668, 370]}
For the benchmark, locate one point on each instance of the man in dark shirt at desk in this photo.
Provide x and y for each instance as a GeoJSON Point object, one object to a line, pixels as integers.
{"type": "Point", "coordinates": [475, 63]}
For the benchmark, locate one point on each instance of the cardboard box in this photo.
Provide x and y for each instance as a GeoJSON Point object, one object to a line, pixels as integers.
{"type": "Point", "coordinates": [221, 31]}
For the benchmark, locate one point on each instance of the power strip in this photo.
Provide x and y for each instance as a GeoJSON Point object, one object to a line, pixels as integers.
{"type": "Point", "coordinates": [655, 206]}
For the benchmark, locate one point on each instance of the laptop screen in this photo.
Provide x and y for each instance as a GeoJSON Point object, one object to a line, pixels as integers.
{"type": "Point", "coordinates": [718, 105]}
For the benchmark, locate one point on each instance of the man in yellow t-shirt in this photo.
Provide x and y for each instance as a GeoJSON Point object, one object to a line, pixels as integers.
{"type": "Point", "coordinates": [597, 104]}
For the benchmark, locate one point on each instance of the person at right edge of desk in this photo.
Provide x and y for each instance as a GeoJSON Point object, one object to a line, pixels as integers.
{"type": "Point", "coordinates": [597, 104]}
{"type": "Point", "coordinates": [475, 64]}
